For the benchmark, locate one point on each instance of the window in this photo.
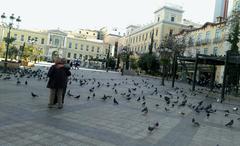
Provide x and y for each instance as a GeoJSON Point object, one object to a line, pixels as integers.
{"type": "Point", "coordinates": [42, 41]}
{"type": "Point", "coordinates": [87, 48]}
{"type": "Point", "coordinates": [86, 32]}
{"type": "Point", "coordinates": [146, 36]}
{"type": "Point", "coordinates": [81, 47]}
{"type": "Point", "coordinates": [57, 42]}
{"type": "Point", "coordinates": [98, 49]}
{"type": "Point", "coordinates": [29, 38]}
{"type": "Point", "coordinates": [139, 38]}
{"type": "Point", "coordinates": [15, 36]}
{"type": "Point", "coordinates": [207, 36]}
{"type": "Point", "coordinates": [218, 34]}
{"type": "Point", "coordinates": [157, 32]}
{"type": "Point", "coordinates": [199, 37]}
{"type": "Point", "coordinates": [172, 19]}
{"type": "Point", "coordinates": [170, 32]}
{"type": "Point", "coordinates": [143, 37]}
{"type": "Point", "coordinates": [86, 57]}
{"type": "Point", "coordinates": [80, 56]}
{"type": "Point", "coordinates": [198, 51]}
{"type": "Point", "coordinates": [93, 33]}
{"type": "Point", "coordinates": [92, 48]}
{"type": "Point", "coordinates": [22, 37]}
{"type": "Point", "coordinates": [69, 55]}
{"type": "Point", "coordinates": [215, 51]}
{"type": "Point", "coordinates": [75, 56]}
{"type": "Point", "coordinates": [205, 51]}
{"type": "Point", "coordinates": [70, 45]}
{"type": "Point", "coordinates": [76, 45]}
{"type": "Point", "coordinates": [158, 19]}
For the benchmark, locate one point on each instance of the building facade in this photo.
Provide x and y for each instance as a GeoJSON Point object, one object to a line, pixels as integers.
{"type": "Point", "coordinates": [210, 39]}
{"type": "Point", "coordinates": [82, 45]}
{"type": "Point", "coordinates": [167, 21]}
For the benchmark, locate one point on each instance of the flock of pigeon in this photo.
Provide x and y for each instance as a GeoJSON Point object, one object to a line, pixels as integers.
{"type": "Point", "coordinates": [139, 91]}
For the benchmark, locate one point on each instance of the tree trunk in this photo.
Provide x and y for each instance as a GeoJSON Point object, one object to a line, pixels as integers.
{"type": "Point", "coordinates": [164, 74]}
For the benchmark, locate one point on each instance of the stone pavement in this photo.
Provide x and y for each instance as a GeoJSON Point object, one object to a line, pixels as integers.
{"type": "Point", "coordinates": [26, 121]}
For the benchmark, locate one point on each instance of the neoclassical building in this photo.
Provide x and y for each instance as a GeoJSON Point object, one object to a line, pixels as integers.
{"type": "Point", "coordinates": [82, 44]}
{"type": "Point", "coordinates": [168, 20]}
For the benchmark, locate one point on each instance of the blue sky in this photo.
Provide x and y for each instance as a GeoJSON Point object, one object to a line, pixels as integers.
{"type": "Point", "coordinates": [94, 14]}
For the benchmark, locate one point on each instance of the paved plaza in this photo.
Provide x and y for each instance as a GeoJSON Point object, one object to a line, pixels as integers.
{"type": "Point", "coordinates": [92, 121]}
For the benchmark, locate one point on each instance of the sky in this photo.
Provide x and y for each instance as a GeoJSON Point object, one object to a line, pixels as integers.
{"type": "Point", "coordinates": [95, 14]}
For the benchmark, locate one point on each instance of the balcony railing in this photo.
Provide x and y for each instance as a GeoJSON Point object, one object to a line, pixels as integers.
{"type": "Point", "coordinates": [217, 40]}
{"type": "Point", "coordinates": [206, 41]}
{"type": "Point", "coordinates": [198, 43]}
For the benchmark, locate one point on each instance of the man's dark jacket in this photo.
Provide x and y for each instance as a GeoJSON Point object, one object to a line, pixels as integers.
{"type": "Point", "coordinates": [58, 77]}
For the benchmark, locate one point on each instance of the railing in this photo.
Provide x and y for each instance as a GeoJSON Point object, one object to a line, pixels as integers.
{"type": "Point", "coordinates": [206, 41]}
{"type": "Point", "coordinates": [198, 43]}
{"type": "Point", "coordinates": [217, 40]}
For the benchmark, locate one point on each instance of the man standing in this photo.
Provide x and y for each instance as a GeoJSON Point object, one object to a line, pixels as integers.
{"type": "Point", "coordinates": [57, 82]}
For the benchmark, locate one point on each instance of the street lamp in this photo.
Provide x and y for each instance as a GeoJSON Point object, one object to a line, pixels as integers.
{"type": "Point", "coordinates": [10, 26]}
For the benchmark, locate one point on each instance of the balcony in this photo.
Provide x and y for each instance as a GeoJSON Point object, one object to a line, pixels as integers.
{"type": "Point", "coordinates": [198, 43]}
{"type": "Point", "coordinates": [217, 40]}
{"type": "Point", "coordinates": [206, 42]}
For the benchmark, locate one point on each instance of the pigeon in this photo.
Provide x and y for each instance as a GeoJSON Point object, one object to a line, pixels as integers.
{"type": "Point", "coordinates": [69, 94]}
{"type": "Point", "coordinates": [166, 109]}
{"type": "Point", "coordinates": [156, 124]}
{"type": "Point", "coordinates": [88, 97]}
{"type": "Point", "coordinates": [77, 97]}
{"type": "Point", "coordinates": [150, 128]}
{"type": "Point", "coordinates": [208, 114]}
{"type": "Point", "coordinates": [145, 110]}
{"type": "Point", "coordinates": [235, 109]}
{"type": "Point", "coordinates": [196, 124]}
{"type": "Point", "coordinates": [115, 101]}
{"type": "Point", "coordinates": [226, 111]}
{"type": "Point", "coordinates": [144, 103]}
{"type": "Point", "coordinates": [229, 124]}
{"type": "Point", "coordinates": [157, 105]}
{"type": "Point", "coordinates": [138, 99]}
{"type": "Point", "coordinates": [182, 113]}
{"type": "Point", "coordinates": [104, 98]}
{"type": "Point", "coordinates": [129, 98]}
{"type": "Point", "coordinates": [26, 82]}
{"type": "Point", "coordinates": [34, 95]}
{"type": "Point", "coordinates": [18, 82]}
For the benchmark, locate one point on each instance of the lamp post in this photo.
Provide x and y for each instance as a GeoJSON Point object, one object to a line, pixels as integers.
{"type": "Point", "coordinates": [10, 26]}
{"type": "Point", "coordinates": [107, 61]}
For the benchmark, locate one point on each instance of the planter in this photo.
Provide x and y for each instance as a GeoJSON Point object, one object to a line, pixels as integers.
{"type": "Point", "coordinates": [11, 65]}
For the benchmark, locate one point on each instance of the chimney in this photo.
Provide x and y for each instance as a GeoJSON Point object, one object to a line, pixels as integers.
{"type": "Point", "coordinates": [219, 19]}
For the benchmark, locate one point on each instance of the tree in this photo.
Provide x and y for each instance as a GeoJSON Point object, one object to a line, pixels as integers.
{"type": "Point", "coordinates": [111, 62]}
{"type": "Point", "coordinates": [149, 63]}
{"type": "Point", "coordinates": [2, 48]}
{"type": "Point", "coordinates": [13, 52]}
{"type": "Point", "coordinates": [125, 56]}
{"type": "Point", "coordinates": [168, 46]}
{"type": "Point", "coordinates": [150, 47]}
{"type": "Point", "coordinates": [134, 63]}
{"type": "Point", "coordinates": [233, 38]}
{"type": "Point", "coordinates": [234, 34]}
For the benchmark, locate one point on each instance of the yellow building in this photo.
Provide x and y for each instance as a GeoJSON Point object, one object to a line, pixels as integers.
{"type": "Point", "coordinates": [210, 39]}
{"type": "Point", "coordinates": [71, 45]}
{"type": "Point", "coordinates": [168, 21]}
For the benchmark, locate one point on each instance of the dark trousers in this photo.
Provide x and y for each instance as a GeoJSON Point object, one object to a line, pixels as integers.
{"type": "Point", "coordinates": [63, 95]}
